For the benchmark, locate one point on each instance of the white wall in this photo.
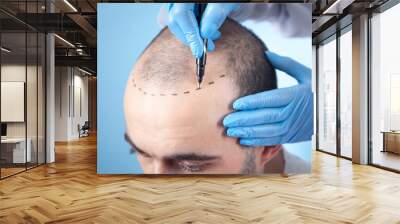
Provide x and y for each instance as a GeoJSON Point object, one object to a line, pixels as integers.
{"type": "Point", "coordinates": [12, 73]}
{"type": "Point", "coordinates": [71, 87]}
{"type": "Point", "coordinates": [79, 117]}
{"type": "Point", "coordinates": [33, 126]}
{"type": "Point", "coordinates": [62, 81]}
{"type": "Point", "coordinates": [16, 72]}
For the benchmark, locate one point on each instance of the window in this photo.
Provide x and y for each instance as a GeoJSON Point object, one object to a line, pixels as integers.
{"type": "Point", "coordinates": [346, 93]}
{"type": "Point", "coordinates": [22, 88]}
{"type": "Point", "coordinates": [385, 89]}
{"type": "Point", "coordinates": [327, 97]}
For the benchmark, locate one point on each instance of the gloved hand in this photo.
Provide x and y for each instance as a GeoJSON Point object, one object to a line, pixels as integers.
{"type": "Point", "coordinates": [277, 116]}
{"type": "Point", "coordinates": [181, 20]}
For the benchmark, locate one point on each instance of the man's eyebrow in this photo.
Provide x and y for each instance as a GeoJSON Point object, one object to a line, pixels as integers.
{"type": "Point", "coordinates": [134, 147]}
{"type": "Point", "coordinates": [192, 157]}
{"type": "Point", "coordinates": [177, 157]}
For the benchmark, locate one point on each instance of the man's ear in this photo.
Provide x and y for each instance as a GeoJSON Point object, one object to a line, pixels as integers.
{"type": "Point", "coordinates": [268, 153]}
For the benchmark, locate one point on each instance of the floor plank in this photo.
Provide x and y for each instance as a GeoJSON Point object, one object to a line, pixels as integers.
{"type": "Point", "coordinates": [70, 191]}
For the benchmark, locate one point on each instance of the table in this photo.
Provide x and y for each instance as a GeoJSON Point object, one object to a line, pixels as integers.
{"type": "Point", "coordinates": [391, 141]}
{"type": "Point", "coordinates": [16, 147]}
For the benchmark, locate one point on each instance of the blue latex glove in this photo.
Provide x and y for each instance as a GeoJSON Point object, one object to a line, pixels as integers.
{"type": "Point", "coordinates": [183, 24]}
{"type": "Point", "coordinates": [277, 116]}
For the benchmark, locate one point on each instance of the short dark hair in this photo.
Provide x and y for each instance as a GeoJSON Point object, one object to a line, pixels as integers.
{"type": "Point", "coordinates": [245, 60]}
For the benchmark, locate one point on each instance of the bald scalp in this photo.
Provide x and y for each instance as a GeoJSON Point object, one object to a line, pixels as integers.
{"type": "Point", "coordinates": [241, 55]}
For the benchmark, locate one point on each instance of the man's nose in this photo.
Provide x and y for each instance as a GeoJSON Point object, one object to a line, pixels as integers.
{"type": "Point", "coordinates": [159, 168]}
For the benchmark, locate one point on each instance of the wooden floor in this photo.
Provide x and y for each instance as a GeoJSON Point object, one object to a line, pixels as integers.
{"type": "Point", "coordinates": [387, 159]}
{"type": "Point", "coordinates": [70, 191]}
{"type": "Point", "coordinates": [10, 171]}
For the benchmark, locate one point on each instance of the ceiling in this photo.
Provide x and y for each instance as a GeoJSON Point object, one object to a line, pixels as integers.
{"type": "Point", "coordinates": [76, 22]}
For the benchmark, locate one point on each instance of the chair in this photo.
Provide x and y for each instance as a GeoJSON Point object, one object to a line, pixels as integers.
{"type": "Point", "coordinates": [84, 130]}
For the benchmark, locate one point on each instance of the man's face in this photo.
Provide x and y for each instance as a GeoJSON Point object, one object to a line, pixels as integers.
{"type": "Point", "coordinates": [183, 133]}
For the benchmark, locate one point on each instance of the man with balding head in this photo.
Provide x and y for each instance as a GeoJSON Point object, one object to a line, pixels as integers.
{"type": "Point", "coordinates": [176, 128]}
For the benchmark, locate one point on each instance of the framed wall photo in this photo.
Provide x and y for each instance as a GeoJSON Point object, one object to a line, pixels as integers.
{"type": "Point", "coordinates": [12, 101]}
{"type": "Point", "coordinates": [155, 117]}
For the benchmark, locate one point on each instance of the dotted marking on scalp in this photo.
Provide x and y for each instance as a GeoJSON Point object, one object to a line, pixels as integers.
{"type": "Point", "coordinates": [172, 94]}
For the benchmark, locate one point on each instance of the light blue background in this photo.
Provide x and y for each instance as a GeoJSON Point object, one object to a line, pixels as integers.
{"type": "Point", "coordinates": [124, 30]}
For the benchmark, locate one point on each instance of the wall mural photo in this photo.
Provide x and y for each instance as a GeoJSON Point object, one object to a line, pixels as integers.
{"type": "Point", "coordinates": [217, 88]}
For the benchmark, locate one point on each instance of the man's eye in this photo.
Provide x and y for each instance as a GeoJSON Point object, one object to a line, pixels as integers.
{"type": "Point", "coordinates": [191, 167]}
